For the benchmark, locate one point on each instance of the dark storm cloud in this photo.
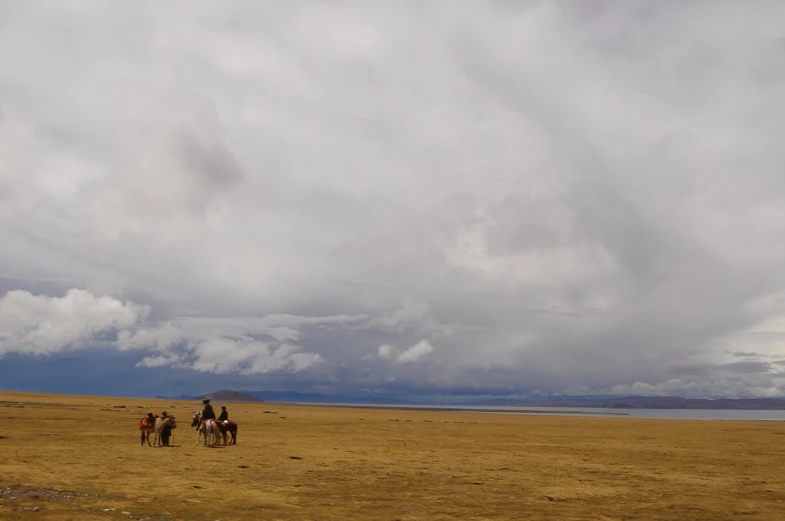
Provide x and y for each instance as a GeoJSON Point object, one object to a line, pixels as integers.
{"type": "Point", "coordinates": [500, 196]}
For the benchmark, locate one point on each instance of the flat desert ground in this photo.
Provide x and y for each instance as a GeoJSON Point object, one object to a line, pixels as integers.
{"type": "Point", "coordinates": [79, 458]}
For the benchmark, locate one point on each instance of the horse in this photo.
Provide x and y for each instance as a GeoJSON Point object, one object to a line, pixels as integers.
{"type": "Point", "coordinates": [205, 428]}
{"type": "Point", "coordinates": [146, 429]}
{"type": "Point", "coordinates": [230, 427]}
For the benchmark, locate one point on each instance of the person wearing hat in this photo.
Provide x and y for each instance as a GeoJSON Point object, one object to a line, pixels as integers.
{"type": "Point", "coordinates": [166, 432]}
{"type": "Point", "coordinates": [224, 414]}
{"type": "Point", "coordinates": [207, 413]}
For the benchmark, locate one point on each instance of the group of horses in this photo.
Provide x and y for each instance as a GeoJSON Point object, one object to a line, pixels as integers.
{"type": "Point", "coordinates": [209, 429]}
{"type": "Point", "coordinates": [212, 428]}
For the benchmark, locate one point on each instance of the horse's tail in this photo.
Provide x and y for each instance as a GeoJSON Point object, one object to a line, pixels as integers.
{"type": "Point", "coordinates": [142, 440]}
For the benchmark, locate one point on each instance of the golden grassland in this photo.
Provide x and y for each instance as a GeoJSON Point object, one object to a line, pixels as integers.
{"type": "Point", "coordinates": [78, 457]}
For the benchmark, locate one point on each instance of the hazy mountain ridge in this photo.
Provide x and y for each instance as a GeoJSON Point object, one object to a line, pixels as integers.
{"type": "Point", "coordinates": [647, 402]}
{"type": "Point", "coordinates": [607, 402]}
{"type": "Point", "coordinates": [227, 395]}
{"type": "Point", "coordinates": [297, 397]}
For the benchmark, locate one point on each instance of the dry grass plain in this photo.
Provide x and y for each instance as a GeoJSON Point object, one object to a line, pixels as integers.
{"type": "Point", "coordinates": [74, 457]}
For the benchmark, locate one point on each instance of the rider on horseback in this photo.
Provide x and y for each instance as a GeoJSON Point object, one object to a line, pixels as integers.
{"type": "Point", "coordinates": [227, 426]}
{"type": "Point", "coordinates": [207, 413]}
{"type": "Point", "coordinates": [224, 414]}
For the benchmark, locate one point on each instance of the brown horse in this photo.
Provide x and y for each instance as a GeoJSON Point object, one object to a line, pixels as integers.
{"type": "Point", "coordinates": [228, 426]}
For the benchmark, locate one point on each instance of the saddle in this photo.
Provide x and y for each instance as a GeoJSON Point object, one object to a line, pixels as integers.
{"type": "Point", "coordinates": [202, 422]}
{"type": "Point", "coordinates": [221, 425]}
{"type": "Point", "coordinates": [145, 423]}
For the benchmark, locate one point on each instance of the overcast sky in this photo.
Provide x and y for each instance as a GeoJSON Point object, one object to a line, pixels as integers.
{"type": "Point", "coordinates": [399, 197]}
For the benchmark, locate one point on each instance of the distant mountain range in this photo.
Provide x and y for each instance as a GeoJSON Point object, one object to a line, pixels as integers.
{"type": "Point", "coordinates": [648, 402]}
{"type": "Point", "coordinates": [295, 397]}
{"type": "Point", "coordinates": [224, 395]}
{"type": "Point", "coordinates": [288, 397]}
{"type": "Point", "coordinates": [608, 402]}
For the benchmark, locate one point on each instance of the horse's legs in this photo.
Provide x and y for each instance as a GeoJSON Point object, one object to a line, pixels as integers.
{"type": "Point", "coordinates": [206, 433]}
{"type": "Point", "coordinates": [217, 430]}
{"type": "Point", "coordinates": [214, 430]}
{"type": "Point", "coordinates": [142, 437]}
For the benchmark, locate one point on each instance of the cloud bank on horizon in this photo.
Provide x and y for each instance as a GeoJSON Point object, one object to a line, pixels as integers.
{"type": "Point", "coordinates": [525, 197]}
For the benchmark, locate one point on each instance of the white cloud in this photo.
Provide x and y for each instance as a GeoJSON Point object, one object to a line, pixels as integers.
{"type": "Point", "coordinates": [409, 355]}
{"type": "Point", "coordinates": [246, 356]}
{"type": "Point", "coordinates": [37, 324]}
{"type": "Point", "coordinates": [167, 360]}
{"type": "Point", "coordinates": [244, 345]}
{"type": "Point", "coordinates": [414, 353]}
{"type": "Point", "coordinates": [718, 387]}
{"type": "Point", "coordinates": [386, 351]}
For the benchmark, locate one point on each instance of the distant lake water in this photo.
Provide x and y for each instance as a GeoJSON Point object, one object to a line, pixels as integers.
{"type": "Point", "coordinates": [673, 414]}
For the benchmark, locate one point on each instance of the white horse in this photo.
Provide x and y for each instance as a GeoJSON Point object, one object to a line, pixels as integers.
{"type": "Point", "coordinates": [155, 430]}
{"type": "Point", "coordinates": [205, 428]}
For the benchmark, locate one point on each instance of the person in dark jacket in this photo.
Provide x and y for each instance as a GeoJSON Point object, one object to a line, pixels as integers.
{"type": "Point", "coordinates": [166, 432]}
{"type": "Point", "coordinates": [207, 413]}
{"type": "Point", "coordinates": [224, 414]}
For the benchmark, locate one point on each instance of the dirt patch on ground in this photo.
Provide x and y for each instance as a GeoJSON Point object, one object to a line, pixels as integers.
{"type": "Point", "coordinates": [22, 405]}
{"type": "Point", "coordinates": [23, 493]}
{"type": "Point", "coordinates": [50, 504]}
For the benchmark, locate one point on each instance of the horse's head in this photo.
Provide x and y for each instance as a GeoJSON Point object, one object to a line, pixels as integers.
{"type": "Point", "coordinates": [196, 419]}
